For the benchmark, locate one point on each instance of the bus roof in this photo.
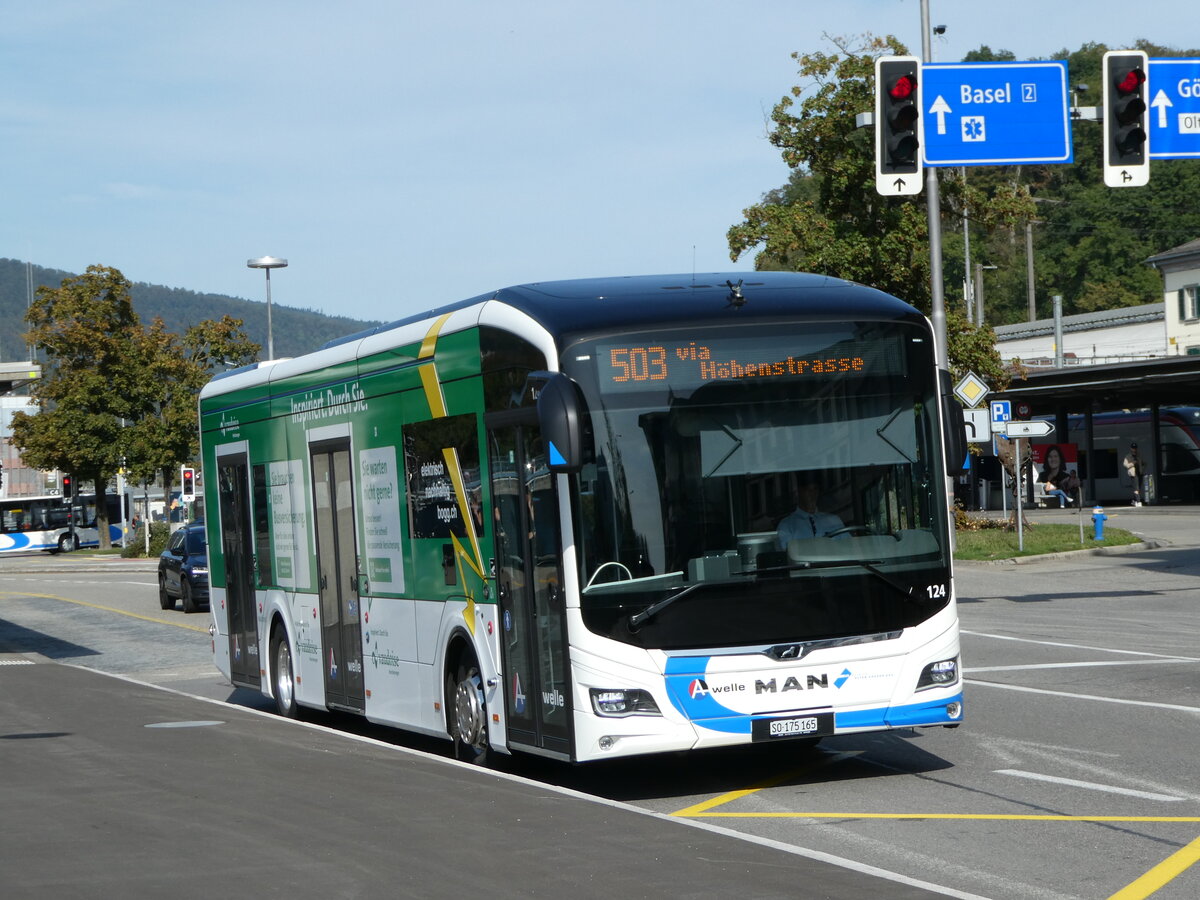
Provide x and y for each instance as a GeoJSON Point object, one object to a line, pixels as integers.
{"type": "Point", "coordinates": [580, 306]}
{"type": "Point", "coordinates": [586, 303]}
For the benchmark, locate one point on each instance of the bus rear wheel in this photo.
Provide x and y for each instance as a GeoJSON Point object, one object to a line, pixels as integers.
{"type": "Point", "coordinates": [467, 712]}
{"type": "Point", "coordinates": [284, 677]}
{"type": "Point", "coordinates": [67, 543]}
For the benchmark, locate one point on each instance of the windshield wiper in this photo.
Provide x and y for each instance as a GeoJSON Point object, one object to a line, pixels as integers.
{"type": "Point", "coordinates": [654, 609]}
{"type": "Point", "coordinates": [906, 593]}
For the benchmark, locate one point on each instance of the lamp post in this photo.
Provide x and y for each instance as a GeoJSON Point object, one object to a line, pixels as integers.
{"type": "Point", "coordinates": [268, 263]}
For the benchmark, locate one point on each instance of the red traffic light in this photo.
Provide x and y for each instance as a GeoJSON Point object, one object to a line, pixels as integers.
{"type": "Point", "coordinates": [1132, 80]}
{"type": "Point", "coordinates": [902, 88]}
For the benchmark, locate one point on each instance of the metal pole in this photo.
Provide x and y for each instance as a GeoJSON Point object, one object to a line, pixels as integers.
{"type": "Point", "coordinates": [979, 294]}
{"type": "Point", "coordinates": [968, 290]}
{"type": "Point", "coordinates": [1058, 332]}
{"type": "Point", "coordinates": [1029, 271]}
{"type": "Point", "coordinates": [1020, 467]}
{"type": "Point", "coordinates": [270, 333]}
{"type": "Point", "coordinates": [933, 207]}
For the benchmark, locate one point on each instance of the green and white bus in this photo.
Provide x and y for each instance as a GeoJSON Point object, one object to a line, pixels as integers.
{"type": "Point", "coordinates": [546, 519]}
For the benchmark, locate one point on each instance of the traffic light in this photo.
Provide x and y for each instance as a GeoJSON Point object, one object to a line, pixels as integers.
{"type": "Point", "coordinates": [68, 486]}
{"type": "Point", "coordinates": [1126, 119]}
{"type": "Point", "coordinates": [188, 494]}
{"type": "Point", "coordinates": [897, 132]}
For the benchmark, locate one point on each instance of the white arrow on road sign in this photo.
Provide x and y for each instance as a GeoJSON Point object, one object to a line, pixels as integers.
{"type": "Point", "coordinates": [1162, 101]}
{"type": "Point", "coordinates": [1036, 428]}
{"type": "Point", "coordinates": [940, 108]}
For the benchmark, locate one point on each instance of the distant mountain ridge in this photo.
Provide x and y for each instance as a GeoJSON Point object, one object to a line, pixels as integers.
{"type": "Point", "coordinates": [296, 331]}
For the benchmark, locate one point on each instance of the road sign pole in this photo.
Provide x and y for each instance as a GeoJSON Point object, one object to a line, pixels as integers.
{"type": "Point", "coordinates": [934, 213]}
{"type": "Point", "coordinates": [1020, 468]}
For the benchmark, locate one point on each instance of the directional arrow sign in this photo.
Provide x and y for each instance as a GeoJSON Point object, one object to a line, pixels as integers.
{"type": "Point", "coordinates": [987, 114]}
{"type": "Point", "coordinates": [1174, 108]}
{"type": "Point", "coordinates": [1036, 428]}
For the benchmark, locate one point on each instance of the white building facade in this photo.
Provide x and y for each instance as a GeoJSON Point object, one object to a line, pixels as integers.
{"type": "Point", "coordinates": [1180, 268]}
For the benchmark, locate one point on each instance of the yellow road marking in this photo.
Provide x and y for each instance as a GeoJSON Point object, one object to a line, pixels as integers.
{"type": "Point", "coordinates": [112, 609]}
{"type": "Point", "coordinates": [703, 807]}
{"type": "Point", "coordinates": [1160, 875]}
{"type": "Point", "coordinates": [698, 812]}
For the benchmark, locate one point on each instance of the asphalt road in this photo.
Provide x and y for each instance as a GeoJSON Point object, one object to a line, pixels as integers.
{"type": "Point", "coordinates": [1074, 775]}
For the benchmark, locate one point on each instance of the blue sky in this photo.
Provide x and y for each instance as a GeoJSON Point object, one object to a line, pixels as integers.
{"type": "Point", "coordinates": [404, 155]}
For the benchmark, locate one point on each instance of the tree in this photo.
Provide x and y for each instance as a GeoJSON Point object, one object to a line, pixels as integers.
{"type": "Point", "coordinates": [167, 434]}
{"type": "Point", "coordinates": [829, 218]}
{"type": "Point", "coordinates": [114, 393]}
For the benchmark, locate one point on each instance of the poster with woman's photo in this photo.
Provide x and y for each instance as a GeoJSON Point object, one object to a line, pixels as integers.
{"type": "Point", "coordinates": [1057, 467]}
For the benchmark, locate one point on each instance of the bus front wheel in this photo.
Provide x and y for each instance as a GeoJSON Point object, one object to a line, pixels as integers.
{"type": "Point", "coordinates": [467, 712]}
{"type": "Point", "coordinates": [67, 543]}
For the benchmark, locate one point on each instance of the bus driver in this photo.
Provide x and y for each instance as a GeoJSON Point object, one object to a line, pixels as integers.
{"type": "Point", "coordinates": [806, 521]}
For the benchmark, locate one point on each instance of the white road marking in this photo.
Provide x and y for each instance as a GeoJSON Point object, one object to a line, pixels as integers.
{"type": "Point", "coordinates": [1118, 700]}
{"type": "Point", "coordinates": [1079, 665]}
{"type": "Point", "coordinates": [1088, 785]}
{"type": "Point", "coordinates": [1005, 637]}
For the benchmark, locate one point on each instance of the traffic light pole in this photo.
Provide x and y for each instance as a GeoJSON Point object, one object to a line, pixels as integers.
{"type": "Point", "coordinates": [934, 212]}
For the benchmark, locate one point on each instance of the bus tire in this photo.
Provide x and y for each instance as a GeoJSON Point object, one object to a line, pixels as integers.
{"type": "Point", "coordinates": [283, 684]}
{"type": "Point", "coordinates": [67, 543]}
{"type": "Point", "coordinates": [165, 600]}
{"type": "Point", "coordinates": [186, 598]}
{"type": "Point", "coordinates": [466, 709]}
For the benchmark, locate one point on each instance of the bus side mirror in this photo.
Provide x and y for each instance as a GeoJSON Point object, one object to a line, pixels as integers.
{"type": "Point", "coordinates": [954, 427]}
{"type": "Point", "coordinates": [561, 413]}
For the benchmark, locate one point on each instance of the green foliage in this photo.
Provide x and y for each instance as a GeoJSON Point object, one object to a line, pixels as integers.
{"type": "Point", "coordinates": [995, 543]}
{"type": "Point", "coordinates": [135, 548]}
{"type": "Point", "coordinates": [1090, 242]}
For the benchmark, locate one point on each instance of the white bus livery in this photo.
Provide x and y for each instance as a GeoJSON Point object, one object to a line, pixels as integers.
{"type": "Point", "coordinates": [548, 519]}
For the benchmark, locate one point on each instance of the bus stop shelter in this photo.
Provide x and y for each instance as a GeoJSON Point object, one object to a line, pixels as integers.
{"type": "Point", "coordinates": [1086, 390]}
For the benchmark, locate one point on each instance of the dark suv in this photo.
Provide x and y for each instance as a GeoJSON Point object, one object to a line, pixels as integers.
{"type": "Point", "coordinates": [183, 569]}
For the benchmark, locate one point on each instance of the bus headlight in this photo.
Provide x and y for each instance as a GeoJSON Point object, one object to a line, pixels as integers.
{"type": "Point", "coordinates": [618, 703]}
{"type": "Point", "coordinates": [938, 674]}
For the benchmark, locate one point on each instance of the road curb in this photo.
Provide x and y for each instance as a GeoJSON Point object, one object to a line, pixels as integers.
{"type": "Point", "coordinates": [1117, 550]}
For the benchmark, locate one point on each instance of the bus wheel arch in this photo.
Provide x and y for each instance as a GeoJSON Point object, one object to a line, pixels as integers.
{"type": "Point", "coordinates": [283, 671]}
{"type": "Point", "coordinates": [466, 703]}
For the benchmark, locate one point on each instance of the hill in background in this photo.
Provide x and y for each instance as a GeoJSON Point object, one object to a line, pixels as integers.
{"type": "Point", "coordinates": [296, 331]}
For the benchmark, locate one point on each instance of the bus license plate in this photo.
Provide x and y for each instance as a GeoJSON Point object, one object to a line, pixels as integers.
{"type": "Point", "coordinates": [810, 725]}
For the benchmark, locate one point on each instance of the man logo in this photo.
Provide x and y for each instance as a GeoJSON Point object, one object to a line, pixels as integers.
{"type": "Point", "coordinates": [842, 679]}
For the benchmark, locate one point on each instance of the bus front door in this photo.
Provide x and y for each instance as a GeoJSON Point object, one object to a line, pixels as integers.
{"type": "Point", "coordinates": [529, 582]}
{"type": "Point", "coordinates": [233, 495]}
{"type": "Point", "coordinates": [337, 575]}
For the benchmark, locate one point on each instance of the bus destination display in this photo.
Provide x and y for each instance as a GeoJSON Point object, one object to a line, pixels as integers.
{"type": "Point", "coordinates": [643, 364]}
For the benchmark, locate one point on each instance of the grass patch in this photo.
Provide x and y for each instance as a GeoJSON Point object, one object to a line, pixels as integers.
{"type": "Point", "coordinates": [1043, 537]}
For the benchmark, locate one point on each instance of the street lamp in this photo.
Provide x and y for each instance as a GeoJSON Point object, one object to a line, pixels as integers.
{"type": "Point", "coordinates": [268, 263]}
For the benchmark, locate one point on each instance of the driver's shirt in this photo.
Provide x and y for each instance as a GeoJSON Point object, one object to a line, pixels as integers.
{"type": "Point", "coordinates": [802, 524]}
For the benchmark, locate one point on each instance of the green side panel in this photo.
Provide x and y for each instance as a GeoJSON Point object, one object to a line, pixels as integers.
{"type": "Point", "coordinates": [375, 400]}
{"type": "Point", "coordinates": [388, 360]}
{"type": "Point", "coordinates": [331, 392]}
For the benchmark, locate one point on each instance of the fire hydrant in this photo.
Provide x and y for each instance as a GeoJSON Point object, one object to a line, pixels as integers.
{"type": "Point", "coordinates": [1098, 519]}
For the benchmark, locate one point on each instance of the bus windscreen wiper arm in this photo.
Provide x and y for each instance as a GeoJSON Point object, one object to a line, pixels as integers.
{"type": "Point", "coordinates": [655, 608]}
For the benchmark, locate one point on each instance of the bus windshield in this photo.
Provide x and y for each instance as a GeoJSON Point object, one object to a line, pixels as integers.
{"type": "Point", "coordinates": [760, 485]}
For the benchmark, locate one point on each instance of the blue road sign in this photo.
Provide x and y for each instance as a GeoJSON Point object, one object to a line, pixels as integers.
{"type": "Point", "coordinates": [1001, 412]}
{"type": "Point", "coordinates": [1174, 108]}
{"type": "Point", "coordinates": [990, 114]}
